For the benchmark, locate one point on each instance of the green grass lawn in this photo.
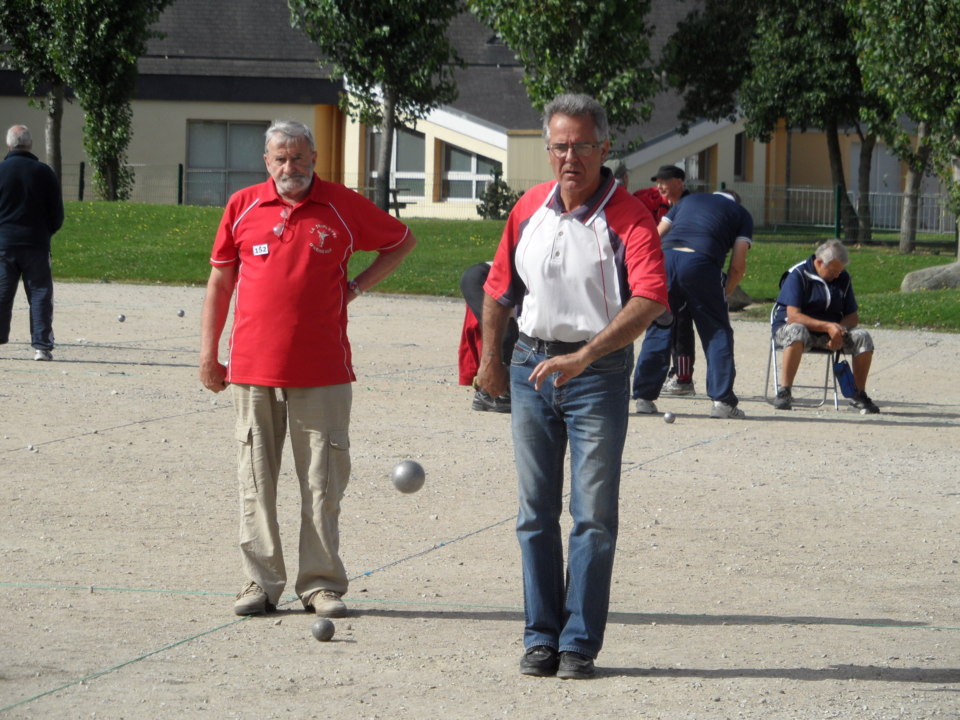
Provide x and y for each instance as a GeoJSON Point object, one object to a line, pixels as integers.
{"type": "Point", "coordinates": [128, 242]}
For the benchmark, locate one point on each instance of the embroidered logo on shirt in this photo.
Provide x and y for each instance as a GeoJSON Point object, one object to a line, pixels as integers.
{"type": "Point", "coordinates": [322, 232]}
{"type": "Point", "coordinates": [261, 249]}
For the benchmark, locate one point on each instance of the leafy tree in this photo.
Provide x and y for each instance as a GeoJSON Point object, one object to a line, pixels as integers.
{"type": "Point", "coordinates": [791, 60]}
{"type": "Point", "coordinates": [27, 27]}
{"type": "Point", "coordinates": [96, 52]}
{"type": "Point", "coordinates": [498, 199]}
{"type": "Point", "coordinates": [908, 55]}
{"type": "Point", "coordinates": [706, 60]}
{"type": "Point", "coordinates": [394, 57]}
{"type": "Point", "coordinates": [598, 48]}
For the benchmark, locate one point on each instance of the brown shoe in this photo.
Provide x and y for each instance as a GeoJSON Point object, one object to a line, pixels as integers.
{"type": "Point", "coordinates": [251, 600]}
{"type": "Point", "coordinates": [326, 603]}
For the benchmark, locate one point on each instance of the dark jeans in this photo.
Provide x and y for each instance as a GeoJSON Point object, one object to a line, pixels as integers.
{"type": "Point", "coordinates": [566, 608]}
{"type": "Point", "coordinates": [33, 266]}
{"type": "Point", "coordinates": [695, 280]}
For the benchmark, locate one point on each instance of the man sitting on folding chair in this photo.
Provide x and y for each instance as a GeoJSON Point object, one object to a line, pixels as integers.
{"type": "Point", "coordinates": [816, 308]}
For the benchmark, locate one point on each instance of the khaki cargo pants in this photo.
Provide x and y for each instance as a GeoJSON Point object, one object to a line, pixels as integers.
{"type": "Point", "coordinates": [318, 420]}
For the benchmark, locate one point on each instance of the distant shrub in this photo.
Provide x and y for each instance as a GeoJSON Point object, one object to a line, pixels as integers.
{"type": "Point", "coordinates": [497, 200]}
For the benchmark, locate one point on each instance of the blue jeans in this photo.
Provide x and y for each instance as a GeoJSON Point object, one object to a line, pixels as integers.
{"type": "Point", "coordinates": [33, 267]}
{"type": "Point", "coordinates": [568, 610]}
{"type": "Point", "coordinates": [695, 280]}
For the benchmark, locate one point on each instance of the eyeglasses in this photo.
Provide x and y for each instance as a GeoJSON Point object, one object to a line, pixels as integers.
{"type": "Point", "coordinates": [580, 149]}
{"type": "Point", "coordinates": [281, 226]}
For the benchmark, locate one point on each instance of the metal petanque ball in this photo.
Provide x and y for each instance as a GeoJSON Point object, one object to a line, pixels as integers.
{"type": "Point", "coordinates": [180, 313]}
{"type": "Point", "coordinates": [323, 629]}
{"type": "Point", "coordinates": [121, 318]}
{"type": "Point", "coordinates": [669, 417]}
{"type": "Point", "coordinates": [408, 476]}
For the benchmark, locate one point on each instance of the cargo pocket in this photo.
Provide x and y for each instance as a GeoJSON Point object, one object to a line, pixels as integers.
{"type": "Point", "coordinates": [336, 472]}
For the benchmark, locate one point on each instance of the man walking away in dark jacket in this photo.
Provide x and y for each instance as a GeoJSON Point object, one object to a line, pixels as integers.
{"type": "Point", "coordinates": [31, 211]}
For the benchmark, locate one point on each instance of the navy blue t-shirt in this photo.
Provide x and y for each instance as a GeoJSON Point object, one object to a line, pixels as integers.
{"type": "Point", "coordinates": [709, 224]}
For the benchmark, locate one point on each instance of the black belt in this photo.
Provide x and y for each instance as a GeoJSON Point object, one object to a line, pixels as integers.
{"type": "Point", "coordinates": [551, 347]}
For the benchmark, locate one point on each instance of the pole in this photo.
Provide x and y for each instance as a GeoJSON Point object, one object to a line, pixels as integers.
{"type": "Point", "coordinates": [836, 212]}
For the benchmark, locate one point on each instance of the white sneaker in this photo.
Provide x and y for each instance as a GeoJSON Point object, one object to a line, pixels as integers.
{"type": "Point", "coordinates": [43, 355]}
{"type": "Point", "coordinates": [722, 410]}
{"type": "Point", "coordinates": [675, 387]}
{"type": "Point", "coordinates": [645, 407]}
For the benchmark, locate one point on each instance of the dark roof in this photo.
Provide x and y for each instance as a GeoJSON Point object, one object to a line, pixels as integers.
{"type": "Point", "coordinates": [491, 84]}
{"type": "Point", "coordinates": [232, 50]}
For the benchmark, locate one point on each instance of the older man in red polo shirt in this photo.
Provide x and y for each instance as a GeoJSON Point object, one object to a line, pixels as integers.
{"type": "Point", "coordinates": [282, 249]}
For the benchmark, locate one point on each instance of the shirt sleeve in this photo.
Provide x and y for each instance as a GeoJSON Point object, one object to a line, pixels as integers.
{"type": "Point", "coordinates": [646, 275]}
{"type": "Point", "coordinates": [225, 250]}
{"type": "Point", "coordinates": [378, 230]}
{"type": "Point", "coordinates": [502, 283]}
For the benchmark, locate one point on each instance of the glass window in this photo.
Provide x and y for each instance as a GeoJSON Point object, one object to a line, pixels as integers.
{"type": "Point", "coordinates": [222, 157]}
{"type": "Point", "coordinates": [740, 156]}
{"type": "Point", "coordinates": [407, 162]}
{"type": "Point", "coordinates": [457, 160]}
{"type": "Point", "coordinates": [410, 151]}
{"type": "Point", "coordinates": [465, 174]}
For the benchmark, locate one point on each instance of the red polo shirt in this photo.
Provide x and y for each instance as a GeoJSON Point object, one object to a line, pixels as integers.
{"type": "Point", "coordinates": [290, 309]}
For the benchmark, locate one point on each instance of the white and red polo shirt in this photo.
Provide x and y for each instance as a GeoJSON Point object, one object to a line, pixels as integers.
{"type": "Point", "coordinates": [570, 273]}
{"type": "Point", "coordinates": [290, 309]}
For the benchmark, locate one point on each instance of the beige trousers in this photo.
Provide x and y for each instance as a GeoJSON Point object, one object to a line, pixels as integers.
{"type": "Point", "coordinates": [318, 420]}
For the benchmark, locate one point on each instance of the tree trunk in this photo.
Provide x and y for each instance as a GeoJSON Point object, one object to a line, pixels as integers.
{"type": "Point", "coordinates": [911, 190]}
{"type": "Point", "coordinates": [864, 212]}
{"type": "Point", "coordinates": [847, 213]}
{"type": "Point", "coordinates": [52, 131]}
{"type": "Point", "coordinates": [382, 185]}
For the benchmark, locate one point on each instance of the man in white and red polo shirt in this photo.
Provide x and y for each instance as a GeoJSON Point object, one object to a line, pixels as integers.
{"type": "Point", "coordinates": [282, 250]}
{"type": "Point", "coordinates": [580, 260]}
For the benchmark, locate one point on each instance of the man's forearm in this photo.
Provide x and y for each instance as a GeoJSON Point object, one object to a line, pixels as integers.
{"type": "Point", "coordinates": [627, 325]}
{"type": "Point", "coordinates": [385, 263]}
{"type": "Point", "coordinates": [495, 317]}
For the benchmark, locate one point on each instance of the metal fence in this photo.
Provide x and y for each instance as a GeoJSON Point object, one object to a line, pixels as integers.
{"type": "Point", "coordinates": [774, 205]}
{"type": "Point", "coordinates": [770, 205]}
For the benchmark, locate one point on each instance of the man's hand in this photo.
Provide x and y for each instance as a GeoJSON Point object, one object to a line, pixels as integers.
{"type": "Point", "coordinates": [836, 331]}
{"type": "Point", "coordinates": [213, 375]}
{"type": "Point", "coordinates": [567, 367]}
{"type": "Point", "coordinates": [492, 377]}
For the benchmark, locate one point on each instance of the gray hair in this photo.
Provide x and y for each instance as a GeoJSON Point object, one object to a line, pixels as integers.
{"type": "Point", "coordinates": [19, 138]}
{"type": "Point", "coordinates": [288, 131]}
{"type": "Point", "coordinates": [831, 250]}
{"type": "Point", "coordinates": [576, 105]}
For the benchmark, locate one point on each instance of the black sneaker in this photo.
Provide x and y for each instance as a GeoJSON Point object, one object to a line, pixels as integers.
{"type": "Point", "coordinates": [486, 403]}
{"type": "Point", "coordinates": [539, 660]}
{"type": "Point", "coordinates": [575, 666]}
{"type": "Point", "coordinates": [864, 404]}
{"type": "Point", "coordinates": [783, 400]}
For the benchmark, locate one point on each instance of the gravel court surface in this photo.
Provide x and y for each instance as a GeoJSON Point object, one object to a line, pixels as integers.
{"type": "Point", "coordinates": [796, 564]}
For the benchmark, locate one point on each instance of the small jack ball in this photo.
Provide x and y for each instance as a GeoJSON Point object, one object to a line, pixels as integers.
{"type": "Point", "coordinates": [323, 629]}
{"type": "Point", "coordinates": [408, 476]}
{"type": "Point", "coordinates": [669, 417]}
{"type": "Point", "coordinates": [121, 318]}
